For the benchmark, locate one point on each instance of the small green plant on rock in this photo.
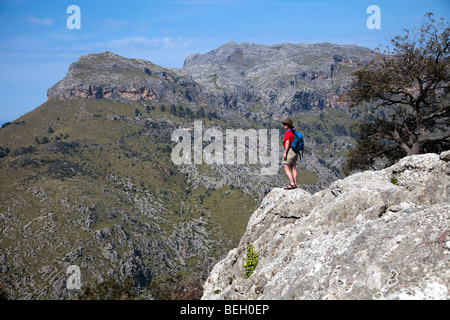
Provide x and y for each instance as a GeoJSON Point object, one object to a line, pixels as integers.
{"type": "Point", "coordinates": [251, 263]}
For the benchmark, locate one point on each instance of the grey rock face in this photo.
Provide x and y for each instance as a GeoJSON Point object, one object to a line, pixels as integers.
{"type": "Point", "coordinates": [373, 235]}
{"type": "Point", "coordinates": [264, 81]}
{"type": "Point", "coordinates": [273, 81]}
{"type": "Point", "coordinates": [109, 76]}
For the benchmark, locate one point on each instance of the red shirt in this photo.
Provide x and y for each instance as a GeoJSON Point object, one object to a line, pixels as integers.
{"type": "Point", "coordinates": [288, 135]}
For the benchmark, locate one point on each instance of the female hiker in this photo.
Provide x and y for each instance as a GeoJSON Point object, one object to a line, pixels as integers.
{"type": "Point", "coordinates": [289, 156]}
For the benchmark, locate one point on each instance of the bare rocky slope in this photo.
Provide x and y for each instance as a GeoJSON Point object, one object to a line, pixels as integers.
{"type": "Point", "coordinates": [373, 235]}
{"type": "Point", "coordinates": [278, 80]}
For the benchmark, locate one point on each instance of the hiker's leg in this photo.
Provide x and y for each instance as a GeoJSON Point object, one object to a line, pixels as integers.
{"type": "Point", "coordinates": [287, 169]}
{"type": "Point", "coordinates": [294, 173]}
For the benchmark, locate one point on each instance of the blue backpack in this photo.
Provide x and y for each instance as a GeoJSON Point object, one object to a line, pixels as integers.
{"type": "Point", "coordinates": [298, 143]}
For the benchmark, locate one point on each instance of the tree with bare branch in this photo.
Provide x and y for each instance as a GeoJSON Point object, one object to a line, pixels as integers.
{"type": "Point", "coordinates": [409, 81]}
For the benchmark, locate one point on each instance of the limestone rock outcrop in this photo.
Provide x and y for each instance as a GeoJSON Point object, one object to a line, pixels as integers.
{"type": "Point", "coordinates": [373, 235]}
{"type": "Point", "coordinates": [110, 76]}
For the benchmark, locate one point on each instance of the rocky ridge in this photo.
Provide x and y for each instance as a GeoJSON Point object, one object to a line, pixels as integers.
{"type": "Point", "coordinates": [278, 80]}
{"type": "Point", "coordinates": [373, 235]}
{"type": "Point", "coordinates": [110, 76]}
{"type": "Point", "coordinates": [258, 80]}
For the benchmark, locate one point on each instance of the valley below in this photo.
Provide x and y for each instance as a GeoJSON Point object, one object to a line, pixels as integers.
{"type": "Point", "coordinates": [88, 178]}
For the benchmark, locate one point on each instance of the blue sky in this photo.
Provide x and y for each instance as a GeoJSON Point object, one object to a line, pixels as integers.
{"type": "Point", "coordinates": [37, 48]}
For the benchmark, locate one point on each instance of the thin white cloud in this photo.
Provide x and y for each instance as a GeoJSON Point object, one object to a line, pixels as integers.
{"type": "Point", "coordinates": [303, 4]}
{"type": "Point", "coordinates": [63, 35]}
{"type": "Point", "coordinates": [15, 2]}
{"type": "Point", "coordinates": [163, 51]}
{"type": "Point", "coordinates": [141, 41]}
{"type": "Point", "coordinates": [39, 21]}
{"type": "Point", "coordinates": [203, 2]}
{"type": "Point", "coordinates": [129, 43]}
{"type": "Point", "coordinates": [114, 24]}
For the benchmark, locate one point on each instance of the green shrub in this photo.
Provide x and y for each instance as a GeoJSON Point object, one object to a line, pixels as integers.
{"type": "Point", "coordinates": [251, 263]}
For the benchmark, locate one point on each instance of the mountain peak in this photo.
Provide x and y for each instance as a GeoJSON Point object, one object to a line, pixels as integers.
{"type": "Point", "coordinates": [276, 52]}
{"type": "Point", "coordinates": [232, 76]}
{"type": "Point", "coordinates": [107, 75]}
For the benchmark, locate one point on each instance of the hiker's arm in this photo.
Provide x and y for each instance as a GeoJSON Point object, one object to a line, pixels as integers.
{"type": "Point", "coordinates": [286, 149]}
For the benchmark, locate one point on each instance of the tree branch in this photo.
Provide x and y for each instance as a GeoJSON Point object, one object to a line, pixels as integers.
{"type": "Point", "coordinates": [437, 138]}
{"type": "Point", "coordinates": [396, 136]}
{"type": "Point", "coordinates": [440, 113]}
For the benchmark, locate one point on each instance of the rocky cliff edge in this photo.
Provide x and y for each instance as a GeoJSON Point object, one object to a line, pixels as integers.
{"type": "Point", "coordinates": [373, 235]}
